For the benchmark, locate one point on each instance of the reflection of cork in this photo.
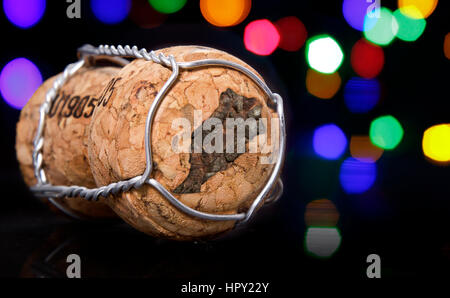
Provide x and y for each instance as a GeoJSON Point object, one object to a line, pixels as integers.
{"type": "Point", "coordinates": [65, 136]}
{"type": "Point", "coordinates": [117, 152]}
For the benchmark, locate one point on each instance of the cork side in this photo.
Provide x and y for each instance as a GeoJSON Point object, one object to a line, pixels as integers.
{"type": "Point", "coordinates": [65, 146]}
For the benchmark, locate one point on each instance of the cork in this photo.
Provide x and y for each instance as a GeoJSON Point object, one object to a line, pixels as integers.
{"type": "Point", "coordinates": [65, 136]}
{"type": "Point", "coordinates": [217, 183]}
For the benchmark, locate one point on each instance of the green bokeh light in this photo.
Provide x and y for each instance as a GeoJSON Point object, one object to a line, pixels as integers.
{"type": "Point", "coordinates": [324, 54]}
{"type": "Point", "coordinates": [409, 29]}
{"type": "Point", "coordinates": [386, 132]}
{"type": "Point", "coordinates": [167, 6]}
{"type": "Point", "coordinates": [384, 30]}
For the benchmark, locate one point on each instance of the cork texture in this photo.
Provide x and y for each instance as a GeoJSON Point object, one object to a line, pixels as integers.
{"type": "Point", "coordinates": [117, 151]}
{"type": "Point", "coordinates": [65, 135]}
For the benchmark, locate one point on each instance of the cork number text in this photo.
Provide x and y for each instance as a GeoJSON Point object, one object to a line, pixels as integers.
{"type": "Point", "coordinates": [107, 93]}
{"type": "Point", "coordinates": [66, 105]}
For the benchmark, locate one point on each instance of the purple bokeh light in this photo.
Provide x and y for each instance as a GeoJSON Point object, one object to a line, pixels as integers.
{"type": "Point", "coordinates": [24, 13]}
{"type": "Point", "coordinates": [355, 13]}
{"type": "Point", "coordinates": [19, 79]}
{"type": "Point", "coordinates": [329, 141]}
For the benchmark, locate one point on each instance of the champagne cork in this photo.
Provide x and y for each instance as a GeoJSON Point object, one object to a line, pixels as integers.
{"type": "Point", "coordinates": [65, 136]}
{"type": "Point", "coordinates": [216, 183]}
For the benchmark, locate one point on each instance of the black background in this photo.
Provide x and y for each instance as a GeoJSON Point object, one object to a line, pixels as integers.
{"type": "Point", "coordinates": [404, 218]}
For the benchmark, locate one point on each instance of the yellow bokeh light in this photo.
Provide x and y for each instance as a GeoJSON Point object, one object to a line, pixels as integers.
{"type": "Point", "coordinates": [225, 13]}
{"type": "Point", "coordinates": [322, 85]}
{"type": "Point", "coordinates": [362, 149]}
{"type": "Point", "coordinates": [417, 9]}
{"type": "Point", "coordinates": [436, 143]}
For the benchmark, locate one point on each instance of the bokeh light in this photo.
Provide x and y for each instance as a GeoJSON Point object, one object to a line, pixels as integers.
{"type": "Point", "coordinates": [324, 54]}
{"type": "Point", "coordinates": [367, 59]}
{"type": "Point", "coordinates": [18, 81]}
{"type": "Point", "coordinates": [361, 95]}
{"type": "Point", "coordinates": [322, 242]}
{"type": "Point", "coordinates": [447, 45]}
{"type": "Point", "coordinates": [386, 132]}
{"type": "Point", "coordinates": [384, 30]}
{"type": "Point", "coordinates": [417, 9]}
{"type": "Point", "coordinates": [356, 176]}
{"type": "Point", "coordinates": [292, 33]}
{"type": "Point", "coordinates": [362, 149]}
{"type": "Point", "coordinates": [356, 12]}
{"type": "Point", "coordinates": [111, 11]}
{"type": "Point", "coordinates": [261, 37]}
{"type": "Point", "coordinates": [321, 213]}
{"type": "Point", "coordinates": [225, 13]}
{"type": "Point", "coordinates": [143, 15]}
{"type": "Point", "coordinates": [436, 143]}
{"type": "Point", "coordinates": [322, 85]}
{"type": "Point", "coordinates": [24, 13]}
{"type": "Point", "coordinates": [409, 29]}
{"type": "Point", "coordinates": [167, 6]}
{"type": "Point", "coordinates": [329, 141]}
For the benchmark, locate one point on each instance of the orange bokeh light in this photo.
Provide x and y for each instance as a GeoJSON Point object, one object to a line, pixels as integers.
{"type": "Point", "coordinates": [447, 46]}
{"type": "Point", "coordinates": [362, 149]}
{"type": "Point", "coordinates": [321, 213]}
{"type": "Point", "coordinates": [225, 13]}
{"type": "Point", "coordinates": [322, 85]}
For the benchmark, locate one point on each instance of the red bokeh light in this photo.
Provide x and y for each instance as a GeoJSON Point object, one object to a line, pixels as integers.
{"type": "Point", "coordinates": [292, 33]}
{"type": "Point", "coordinates": [261, 37]}
{"type": "Point", "coordinates": [143, 15]}
{"type": "Point", "coordinates": [367, 59]}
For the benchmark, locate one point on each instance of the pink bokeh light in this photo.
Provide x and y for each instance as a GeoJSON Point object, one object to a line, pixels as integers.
{"type": "Point", "coordinates": [261, 37]}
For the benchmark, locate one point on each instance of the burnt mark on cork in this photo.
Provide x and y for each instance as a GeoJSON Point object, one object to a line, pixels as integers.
{"type": "Point", "coordinates": [204, 165]}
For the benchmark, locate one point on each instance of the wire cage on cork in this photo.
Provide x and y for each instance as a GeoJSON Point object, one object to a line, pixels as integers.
{"type": "Point", "coordinates": [270, 192]}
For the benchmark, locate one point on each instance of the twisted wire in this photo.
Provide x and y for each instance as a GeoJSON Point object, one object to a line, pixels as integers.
{"type": "Point", "coordinates": [127, 51]}
{"type": "Point", "coordinates": [48, 190]}
{"type": "Point", "coordinates": [38, 142]}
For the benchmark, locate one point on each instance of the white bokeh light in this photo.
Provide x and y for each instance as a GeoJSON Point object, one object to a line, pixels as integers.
{"type": "Point", "coordinates": [324, 54]}
{"type": "Point", "coordinates": [322, 242]}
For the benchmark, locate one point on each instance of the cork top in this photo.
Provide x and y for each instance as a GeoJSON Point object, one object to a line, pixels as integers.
{"type": "Point", "coordinates": [210, 182]}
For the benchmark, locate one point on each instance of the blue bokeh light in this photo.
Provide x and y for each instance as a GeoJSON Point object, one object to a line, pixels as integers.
{"type": "Point", "coordinates": [111, 11]}
{"type": "Point", "coordinates": [356, 14]}
{"type": "Point", "coordinates": [356, 176]}
{"type": "Point", "coordinates": [19, 79]}
{"type": "Point", "coordinates": [329, 141]}
{"type": "Point", "coordinates": [24, 13]}
{"type": "Point", "coordinates": [361, 95]}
